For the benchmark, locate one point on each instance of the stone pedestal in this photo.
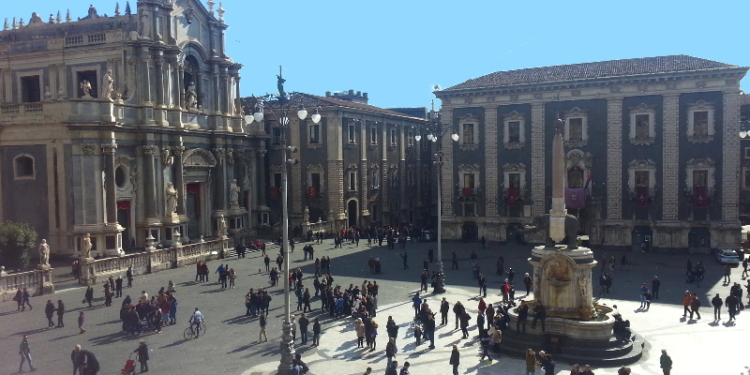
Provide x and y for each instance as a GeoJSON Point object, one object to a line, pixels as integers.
{"type": "Point", "coordinates": [87, 271]}
{"type": "Point", "coordinates": [48, 287]}
{"type": "Point", "coordinates": [562, 280]}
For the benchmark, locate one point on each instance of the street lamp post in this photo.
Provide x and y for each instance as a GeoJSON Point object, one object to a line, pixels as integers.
{"type": "Point", "coordinates": [435, 132]}
{"type": "Point", "coordinates": [281, 106]}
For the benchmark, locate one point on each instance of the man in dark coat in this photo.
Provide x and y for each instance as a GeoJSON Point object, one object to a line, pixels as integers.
{"type": "Point", "coordinates": [143, 358]}
{"type": "Point", "coordinates": [655, 285]}
{"type": "Point", "coordinates": [455, 359]}
{"type": "Point", "coordinates": [444, 308]}
{"type": "Point", "coordinates": [60, 313]}
{"type": "Point", "coordinates": [76, 357]}
{"type": "Point", "coordinates": [89, 365]}
{"type": "Point", "coordinates": [717, 302]}
{"type": "Point", "coordinates": [303, 324]}
{"type": "Point", "coordinates": [540, 313]}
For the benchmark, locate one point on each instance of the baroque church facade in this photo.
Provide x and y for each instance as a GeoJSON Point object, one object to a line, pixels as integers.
{"type": "Point", "coordinates": [652, 152]}
{"type": "Point", "coordinates": [126, 127]}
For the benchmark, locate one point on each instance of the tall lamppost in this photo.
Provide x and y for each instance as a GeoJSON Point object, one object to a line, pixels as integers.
{"type": "Point", "coordinates": [435, 130]}
{"type": "Point", "coordinates": [281, 105]}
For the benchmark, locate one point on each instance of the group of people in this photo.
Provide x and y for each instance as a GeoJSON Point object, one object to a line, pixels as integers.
{"type": "Point", "coordinates": [149, 314]}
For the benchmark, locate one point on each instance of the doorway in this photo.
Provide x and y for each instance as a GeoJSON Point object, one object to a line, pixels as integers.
{"type": "Point", "coordinates": [699, 241]}
{"type": "Point", "coordinates": [193, 209]}
{"type": "Point", "coordinates": [641, 235]}
{"type": "Point", "coordinates": [123, 218]}
{"type": "Point", "coordinates": [351, 209]}
{"type": "Point", "coordinates": [470, 231]}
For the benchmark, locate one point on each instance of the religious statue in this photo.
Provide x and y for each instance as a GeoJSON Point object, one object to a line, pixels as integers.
{"type": "Point", "coordinates": [234, 194]}
{"type": "Point", "coordinates": [280, 85]}
{"type": "Point", "coordinates": [306, 215]}
{"type": "Point", "coordinates": [107, 85]}
{"type": "Point", "coordinates": [47, 94]}
{"type": "Point", "coordinates": [222, 227]}
{"type": "Point", "coordinates": [191, 96]}
{"type": "Point", "coordinates": [86, 246]}
{"type": "Point", "coordinates": [583, 285]}
{"type": "Point", "coordinates": [44, 253]}
{"type": "Point", "coordinates": [86, 87]}
{"type": "Point", "coordinates": [171, 197]}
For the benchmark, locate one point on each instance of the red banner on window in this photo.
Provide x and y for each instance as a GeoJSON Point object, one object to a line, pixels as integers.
{"type": "Point", "coordinates": [466, 191]}
{"type": "Point", "coordinates": [312, 192]}
{"type": "Point", "coordinates": [274, 192]}
{"type": "Point", "coordinates": [641, 196]}
{"type": "Point", "coordinates": [700, 197]}
{"type": "Point", "coordinates": [124, 205]}
{"type": "Point", "coordinates": [512, 198]}
{"type": "Point", "coordinates": [575, 197]}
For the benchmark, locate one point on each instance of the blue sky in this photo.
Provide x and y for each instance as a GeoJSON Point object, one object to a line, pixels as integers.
{"type": "Point", "coordinates": [397, 50]}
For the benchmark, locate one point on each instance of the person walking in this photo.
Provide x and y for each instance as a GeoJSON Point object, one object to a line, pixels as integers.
{"type": "Point", "coordinates": [485, 341]}
{"type": "Point", "coordinates": [316, 332]}
{"type": "Point", "coordinates": [540, 313]}
{"type": "Point", "coordinates": [643, 289]}
{"type": "Point", "coordinates": [142, 351]}
{"type": "Point", "coordinates": [458, 311]}
{"type": "Point", "coordinates": [444, 308]}
{"type": "Point", "coordinates": [454, 264]}
{"type": "Point", "coordinates": [527, 282]}
{"type": "Point", "coordinates": [81, 321]}
{"type": "Point", "coordinates": [727, 274]}
{"type": "Point", "coordinates": [665, 362]}
{"type": "Point", "coordinates": [89, 295]}
{"type": "Point", "coordinates": [129, 276]}
{"type": "Point", "coordinates": [405, 369]}
{"type": "Point", "coordinates": [60, 312]}
{"type": "Point", "coordinates": [49, 312]}
{"type": "Point", "coordinates": [416, 303]}
{"type": "Point", "coordinates": [25, 297]}
{"type": "Point", "coordinates": [405, 257]}
{"type": "Point", "coordinates": [655, 285]}
{"type": "Point", "coordinates": [361, 331]}
{"type": "Point", "coordinates": [624, 263]}
{"type": "Point", "coordinates": [732, 303]}
{"type": "Point", "coordinates": [25, 352]}
{"type": "Point", "coordinates": [303, 324]}
{"type": "Point", "coordinates": [390, 351]}
{"type": "Point", "coordinates": [393, 369]}
{"type": "Point", "coordinates": [744, 267]}
{"type": "Point", "coordinates": [686, 303]}
{"type": "Point", "coordinates": [455, 359]}
{"type": "Point", "coordinates": [89, 365]}
{"type": "Point", "coordinates": [75, 357]}
{"type": "Point", "coordinates": [262, 322]}
{"type": "Point", "coordinates": [523, 315]}
{"type": "Point", "coordinates": [530, 362]}
{"type": "Point", "coordinates": [717, 302]}
{"type": "Point", "coordinates": [695, 304]}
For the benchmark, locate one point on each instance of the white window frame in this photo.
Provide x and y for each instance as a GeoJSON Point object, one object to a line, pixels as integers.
{"type": "Point", "coordinates": [643, 110]}
{"type": "Point", "coordinates": [706, 164]}
{"type": "Point", "coordinates": [40, 74]}
{"type": "Point", "coordinates": [16, 176]}
{"type": "Point", "coordinates": [469, 143]}
{"type": "Point", "coordinates": [514, 116]}
{"type": "Point", "coordinates": [410, 138]}
{"type": "Point", "coordinates": [700, 106]}
{"type": "Point", "coordinates": [374, 135]}
{"type": "Point", "coordinates": [646, 165]}
{"type": "Point", "coordinates": [747, 152]}
{"type": "Point", "coordinates": [316, 168]}
{"type": "Point", "coordinates": [393, 136]}
{"type": "Point", "coordinates": [473, 169]}
{"type": "Point", "coordinates": [515, 168]}
{"type": "Point", "coordinates": [576, 113]}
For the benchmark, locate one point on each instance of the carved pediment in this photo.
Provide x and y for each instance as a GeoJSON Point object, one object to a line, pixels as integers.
{"type": "Point", "coordinates": [198, 158]}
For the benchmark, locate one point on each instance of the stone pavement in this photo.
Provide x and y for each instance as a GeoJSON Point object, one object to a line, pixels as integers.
{"type": "Point", "coordinates": [230, 344]}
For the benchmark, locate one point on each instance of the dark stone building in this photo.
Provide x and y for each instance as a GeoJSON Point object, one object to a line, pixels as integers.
{"type": "Point", "coordinates": [359, 165]}
{"type": "Point", "coordinates": [651, 151]}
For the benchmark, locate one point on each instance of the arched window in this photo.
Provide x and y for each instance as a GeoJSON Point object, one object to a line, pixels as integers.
{"type": "Point", "coordinates": [575, 177]}
{"type": "Point", "coordinates": [23, 167]}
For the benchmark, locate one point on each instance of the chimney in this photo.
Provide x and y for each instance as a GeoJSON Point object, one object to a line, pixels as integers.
{"type": "Point", "coordinates": [328, 94]}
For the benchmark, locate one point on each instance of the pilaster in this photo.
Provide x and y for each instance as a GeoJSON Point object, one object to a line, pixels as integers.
{"type": "Point", "coordinates": [491, 161]}
{"type": "Point", "coordinates": [537, 159]}
{"type": "Point", "coordinates": [671, 154]}
{"type": "Point", "coordinates": [730, 157]}
{"type": "Point", "coordinates": [614, 158]}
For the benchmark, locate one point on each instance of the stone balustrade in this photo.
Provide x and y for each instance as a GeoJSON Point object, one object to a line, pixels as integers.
{"type": "Point", "coordinates": [36, 282]}
{"type": "Point", "coordinates": [95, 271]}
{"type": "Point", "coordinates": [327, 227]}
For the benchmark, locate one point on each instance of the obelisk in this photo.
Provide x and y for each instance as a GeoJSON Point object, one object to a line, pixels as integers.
{"type": "Point", "coordinates": [557, 212]}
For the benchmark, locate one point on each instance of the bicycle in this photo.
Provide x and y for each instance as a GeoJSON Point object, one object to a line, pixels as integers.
{"type": "Point", "coordinates": [191, 332]}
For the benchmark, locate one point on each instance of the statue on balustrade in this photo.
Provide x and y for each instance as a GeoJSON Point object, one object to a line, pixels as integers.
{"type": "Point", "coordinates": [171, 196]}
{"type": "Point", "coordinates": [44, 253]}
{"type": "Point", "coordinates": [234, 194]}
{"type": "Point", "coordinates": [86, 246]}
{"type": "Point", "coordinates": [108, 87]}
{"type": "Point", "coordinates": [86, 88]}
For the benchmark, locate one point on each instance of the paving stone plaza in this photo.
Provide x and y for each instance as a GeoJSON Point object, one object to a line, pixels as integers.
{"type": "Point", "coordinates": [230, 344]}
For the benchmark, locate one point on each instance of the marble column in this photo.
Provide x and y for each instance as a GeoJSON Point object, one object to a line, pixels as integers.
{"type": "Point", "coordinates": [108, 151]}
{"type": "Point", "coordinates": [180, 86]}
{"type": "Point", "coordinates": [159, 79]}
{"type": "Point", "coordinates": [730, 155]}
{"type": "Point", "coordinates": [177, 151]}
{"type": "Point", "coordinates": [491, 163]}
{"type": "Point", "coordinates": [149, 183]}
{"type": "Point", "coordinates": [145, 74]}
